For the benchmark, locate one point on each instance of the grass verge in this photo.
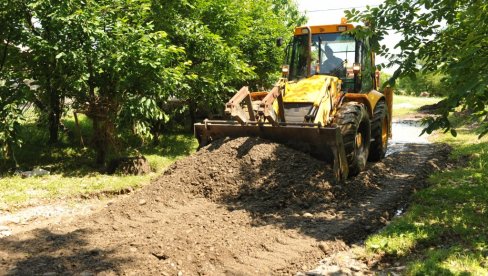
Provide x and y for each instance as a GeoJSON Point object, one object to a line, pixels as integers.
{"type": "Point", "coordinates": [404, 106]}
{"type": "Point", "coordinates": [445, 230]}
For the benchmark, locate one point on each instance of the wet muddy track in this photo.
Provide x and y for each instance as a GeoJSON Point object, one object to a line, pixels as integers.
{"type": "Point", "coordinates": [238, 207]}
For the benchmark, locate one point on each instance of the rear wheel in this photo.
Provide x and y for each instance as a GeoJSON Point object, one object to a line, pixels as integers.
{"type": "Point", "coordinates": [353, 121]}
{"type": "Point", "coordinates": [379, 132]}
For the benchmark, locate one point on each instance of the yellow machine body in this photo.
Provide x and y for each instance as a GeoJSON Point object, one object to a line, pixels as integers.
{"type": "Point", "coordinates": [317, 90]}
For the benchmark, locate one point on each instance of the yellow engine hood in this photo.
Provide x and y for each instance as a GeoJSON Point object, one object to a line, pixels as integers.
{"type": "Point", "coordinates": [310, 89]}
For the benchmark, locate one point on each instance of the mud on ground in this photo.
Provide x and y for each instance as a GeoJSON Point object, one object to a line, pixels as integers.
{"type": "Point", "coordinates": [238, 207]}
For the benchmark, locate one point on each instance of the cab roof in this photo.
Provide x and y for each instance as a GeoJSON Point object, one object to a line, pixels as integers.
{"type": "Point", "coordinates": [324, 29]}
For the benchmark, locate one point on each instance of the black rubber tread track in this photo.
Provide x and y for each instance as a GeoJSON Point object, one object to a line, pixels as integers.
{"type": "Point", "coordinates": [350, 118]}
{"type": "Point", "coordinates": [377, 150]}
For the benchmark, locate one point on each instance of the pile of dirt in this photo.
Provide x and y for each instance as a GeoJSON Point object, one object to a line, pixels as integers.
{"type": "Point", "coordinates": [250, 171]}
{"type": "Point", "coordinates": [237, 207]}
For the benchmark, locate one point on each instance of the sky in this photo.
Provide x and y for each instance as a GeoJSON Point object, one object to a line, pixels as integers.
{"type": "Point", "coordinates": [321, 12]}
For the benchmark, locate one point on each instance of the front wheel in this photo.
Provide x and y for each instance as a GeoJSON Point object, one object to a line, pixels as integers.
{"type": "Point", "coordinates": [353, 121]}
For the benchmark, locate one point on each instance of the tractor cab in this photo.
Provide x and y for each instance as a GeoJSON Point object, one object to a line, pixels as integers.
{"type": "Point", "coordinates": [330, 50]}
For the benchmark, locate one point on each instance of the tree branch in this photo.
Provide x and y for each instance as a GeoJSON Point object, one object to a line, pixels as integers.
{"type": "Point", "coordinates": [4, 56]}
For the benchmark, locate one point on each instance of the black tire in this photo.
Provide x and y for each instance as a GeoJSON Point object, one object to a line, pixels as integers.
{"type": "Point", "coordinates": [379, 133]}
{"type": "Point", "coordinates": [353, 121]}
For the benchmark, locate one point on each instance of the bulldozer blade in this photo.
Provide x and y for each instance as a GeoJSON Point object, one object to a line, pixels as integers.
{"type": "Point", "coordinates": [324, 143]}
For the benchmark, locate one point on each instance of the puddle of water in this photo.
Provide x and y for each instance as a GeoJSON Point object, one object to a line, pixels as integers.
{"type": "Point", "coordinates": [406, 132]}
{"type": "Point", "coordinates": [403, 105]}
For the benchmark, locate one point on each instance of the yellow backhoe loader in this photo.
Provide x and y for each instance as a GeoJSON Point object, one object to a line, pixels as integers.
{"type": "Point", "coordinates": [326, 103]}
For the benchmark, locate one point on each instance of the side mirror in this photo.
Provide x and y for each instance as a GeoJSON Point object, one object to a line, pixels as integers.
{"type": "Point", "coordinates": [279, 41]}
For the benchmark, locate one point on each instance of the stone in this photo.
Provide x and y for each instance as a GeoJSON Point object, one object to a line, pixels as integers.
{"type": "Point", "coordinates": [34, 172]}
{"type": "Point", "coordinates": [5, 231]}
{"type": "Point", "coordinates": [323, 246]}
{"type": "Point", "coordinates": [135, 165]}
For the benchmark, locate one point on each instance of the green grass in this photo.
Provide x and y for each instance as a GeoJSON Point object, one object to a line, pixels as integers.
{"type": "Point", "coordinates": [72, 168]}
{"type": "Point", "coordinates": [445, 230]}
{"type": "Point", "coordinates": [408, 105]}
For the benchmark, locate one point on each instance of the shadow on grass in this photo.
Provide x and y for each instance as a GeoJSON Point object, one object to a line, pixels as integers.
{"type": "Point", "coordinates": [70, 159]}
{"type": "Point", "coordinates": [48, 252]}
{"type": "Point", "coordinates": [65, 157]}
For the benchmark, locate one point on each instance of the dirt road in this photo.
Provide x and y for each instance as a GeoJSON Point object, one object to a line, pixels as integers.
{"type": "Point", "coordinates": [274, 211]}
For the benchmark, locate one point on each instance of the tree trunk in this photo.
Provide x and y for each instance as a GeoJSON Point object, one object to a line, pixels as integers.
{"type": "Point", "coordinates": [54, 108]}
{"type": "Point", "coordinates": [103, 131]}
{"type": "Point", "coordinates": [192, 109]}
{"type": "Point", "coordinates": [101, 139]}
{"type": "Point", "coordinates": [4, 54]}
{"type": "Point", "coordinates": [54, 116]}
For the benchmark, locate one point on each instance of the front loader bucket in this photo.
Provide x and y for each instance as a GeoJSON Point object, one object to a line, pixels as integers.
{"type": "Point", "coordinates": [323, 143]}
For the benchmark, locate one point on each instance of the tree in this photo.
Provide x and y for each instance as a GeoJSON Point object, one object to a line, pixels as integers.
{"type": "Point", "coordinates": [228, 44]}
{"type": "Point", "coordinates": [448, 37]}
{"type": "Point", "coordinates": [43, 30]}
{"type": "Point", "coordinates": [13, 90]}
{"type": "Point", "coordinates": [106, 57]}
{"type": "Point", "coordinates": [124, 67]}
{"type": "Point", "coordinates": [431, 82]}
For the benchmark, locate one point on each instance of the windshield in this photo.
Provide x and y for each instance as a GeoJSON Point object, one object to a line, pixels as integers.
{"type": "Point", "coordinates": [332, 54]}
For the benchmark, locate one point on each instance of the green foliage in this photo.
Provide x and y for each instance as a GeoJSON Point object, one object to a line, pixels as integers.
{"type": "Point", "coordinates": [120, 61]}
{"type": "Point", "coordinates": [10, 120]}
{"type": "Point", "coordinates": [228, 44]}
{"type": "Point", "coordinates": [423, 82]}
{"type": "Point", "coordinates": [384, 77]}
{"type": "Point", "coordinates": [103, 55]}
{"type": "Point", "coordinates": [448, 37]}
{"type": "Point", "coordinates": [12, 88]}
